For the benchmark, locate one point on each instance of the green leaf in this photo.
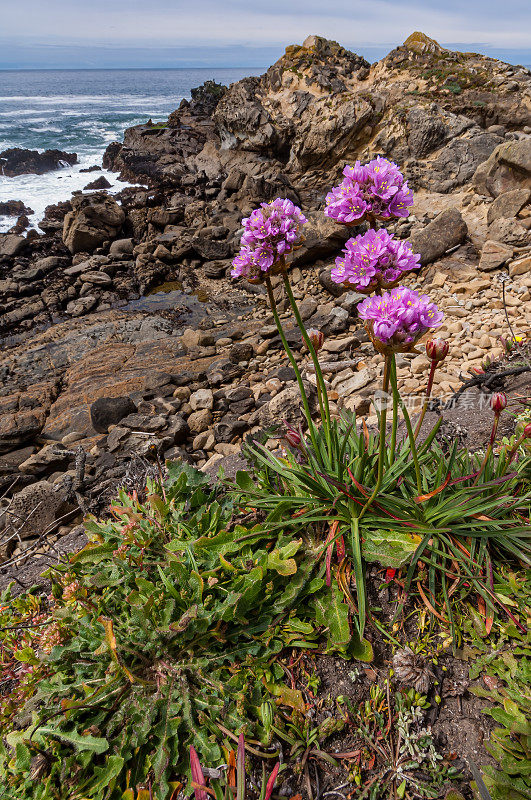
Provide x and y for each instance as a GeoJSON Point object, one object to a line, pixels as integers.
{"type": "Point", "coordinates": [332, 613]}
{"type": "Point", "coordinates": [80, 743]}
{"type": "Point", "coordinates": [361, 649]}
{"type": "Point", "coordinates": [390, 548]}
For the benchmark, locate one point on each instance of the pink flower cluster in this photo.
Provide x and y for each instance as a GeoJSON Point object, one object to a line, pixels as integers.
{"type": "Point", "coordinates": [377, 189]}
{"type": "Point", "coordinates": [374, 258]}
{"type": "Point", "coordinates": [397, 319]}
{"type": "Point", "coordinates": [270, 232]}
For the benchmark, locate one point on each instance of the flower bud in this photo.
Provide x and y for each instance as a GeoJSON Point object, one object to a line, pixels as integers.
{"type": "Point", "coordinates": [498, 402]}
{"type": "Point", "coordinates": [316, 338]}
{"type": "Point", "coordinates": [437, 349]}
{"type": "Point", "coordinates": [293, 438]}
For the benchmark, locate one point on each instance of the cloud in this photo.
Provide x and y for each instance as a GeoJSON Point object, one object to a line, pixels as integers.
{"type": "Point", "coordinates": [213, 23]}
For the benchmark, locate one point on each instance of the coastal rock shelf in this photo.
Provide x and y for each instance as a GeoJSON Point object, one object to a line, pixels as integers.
{"type": "Point", "coordinates": [123, 340]}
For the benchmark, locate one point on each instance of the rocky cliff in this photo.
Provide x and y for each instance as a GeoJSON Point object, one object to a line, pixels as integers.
{"type": "Point", "coordinates": [99, 376]}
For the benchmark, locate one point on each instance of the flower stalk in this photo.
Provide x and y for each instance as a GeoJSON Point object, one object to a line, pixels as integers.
{"type": "Point", "coordinates": [289, 353]}
{"type": "Point", "coordinates": [322, 392]}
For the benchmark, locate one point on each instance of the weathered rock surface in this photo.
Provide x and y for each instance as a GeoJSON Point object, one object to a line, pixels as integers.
{"type": "Point", "coordinates": [507, 168]}
{"type": "Point", "coordinates": [99, 379]}
{"type": "Point", "coordinates": [447, 230]}
{"type": "Point", "coordinates": [93, 220]}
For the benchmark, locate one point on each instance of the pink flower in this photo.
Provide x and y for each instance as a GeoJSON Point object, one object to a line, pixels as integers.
{"type": "Point", "coordinates": [372, 259]}
{"type": "Point", "coordinates": [396, 320]}
{"type": "Point", "coordinates": [270, 232]}
{"type": "Point", "coordinates": [377, 189]}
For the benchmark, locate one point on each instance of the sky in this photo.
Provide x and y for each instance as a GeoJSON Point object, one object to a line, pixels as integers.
{"type": "Point", "coordinates": [245, 33]}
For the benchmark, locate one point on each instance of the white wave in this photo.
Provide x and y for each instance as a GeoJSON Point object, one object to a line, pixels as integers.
{"type": "Point", "coordinates": [39, 191]}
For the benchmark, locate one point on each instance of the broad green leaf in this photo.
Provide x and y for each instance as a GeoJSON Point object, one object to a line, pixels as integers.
{"type": "Point", "coordinates": [390, 548]}
{"type": "Point", "coordinates": [80, 743]}
{"type": "Point", "coordinates": [332, 613]}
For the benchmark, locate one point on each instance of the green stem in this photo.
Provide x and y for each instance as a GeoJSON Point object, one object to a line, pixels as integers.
{"type": "Point", "coordinates": [357, 561]}
{"type": "Point", "coordinates": [273, 304]}
{"type": "Point", "coordinates": [392, 448]}
{"type": "Point", "coordinates": [427, 398]}
{"type": "Point", "coordinates": [398, 401]}
{"type": "Point", "coordinates": [383, 423]}
{"type": "Point", "coordinates": [323, 395]}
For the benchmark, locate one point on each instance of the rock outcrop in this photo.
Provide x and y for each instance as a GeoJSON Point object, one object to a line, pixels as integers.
{"type": "Point", "coordinates": [123, 339]}
{"type": "Point", "coordinates": [17, 161]}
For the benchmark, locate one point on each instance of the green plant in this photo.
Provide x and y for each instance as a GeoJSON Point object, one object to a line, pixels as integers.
{"type": "Point", "coordinates": [166, 631]}
{"type": "Point", "coordinates": [506, 672]}
{"type": "Point", "coordinates": [400, 755]}
{"type": "Point", "coordinates": [232, 785]}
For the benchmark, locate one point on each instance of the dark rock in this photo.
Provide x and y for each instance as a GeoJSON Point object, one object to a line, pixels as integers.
{"type": "Point", "coordinates": [13, 208]}
{"type": "Point", "coordinates": [242, 351]}
{"type": "Point", "coordinates": [11, 244]}
{"type": "Point", "coordinates": [157, 380]}
{"type": "Point", "coordinates": [237, 394]}
{"type": "Point", "coordinates": [209, 249]}
{"type": "Point", "coordinates": [17, 161]}
{"type": "Point", "coordinates": [178, 429]}
{"type": "Point", "coordinates": [228, 428]}
{"type": "Point", "coordinates": [99, 183]}
{"type": "Point", "coordinates": [284, 374]}
{"type": "Point", "coordinates": [447, 230]}
{"type": "Point", "coordinates": [223, 372]}
{"type": "Point", "coordinates": [150, 423]}
{"type": "Point", "coordinates": [93, 168]}
{"type": "Point", "coordinates": [335, 289]}
{"type": "Point", "coordinates": [216, 269]}
{"type": "Point", "coordinates": [110, 411]}
{"type": "Point", "coordinates": [427, 131]}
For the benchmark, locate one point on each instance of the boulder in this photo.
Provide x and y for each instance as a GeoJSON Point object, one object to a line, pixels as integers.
{"type": "Point", "coordinates": [11, 244]}
{"type": "Point", "coordinates": [32, 510]}
{"type": "Point", "coordinates": [216, 269]}
{"type": "Point", "coordinates": [94, 219]}
{"type": "Point", "coordinates": [121, 247]}
{"type": "Point", "coordinates": [106, 411]}
{"type": "Point", "coordinates": [494, 255]}
{"type": "Point", "coordinates": [508, 204]}
{"type": "Point", "coordinates": [508, 167]}
{"type": "Point", "coordinates": [446, 231]}
{"type": "Point", "coordinates": [286, 406]}
{"type": "Point", "coordinates": [322, 237]}
{"type": "Point", "coordinates": [427, 131]}
{"type": "Point", "coordinates": [202, 398]}
{"type": "Point", "coordinates": [99, 183]}
{"type": "Point", "coordinates": [49, 458]}
{"type": "Point", "coordinates": [509, 231]}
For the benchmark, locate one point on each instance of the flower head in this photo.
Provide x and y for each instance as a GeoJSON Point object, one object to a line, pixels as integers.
{"type": "Point", "coordinates": [316, 338]}
{"type": "Point", "coordinates": [437, 349]}
{"type": "Point", "coordinates": [269, 233]}
{"type": "Point", "coordinates": [376, 189]}
{"type": "Point", "coordinates": [397, 319]}
{"type": "Point", "coordinates": [498, 402]}
{"type": "Point", "coordinates": [374, 258]}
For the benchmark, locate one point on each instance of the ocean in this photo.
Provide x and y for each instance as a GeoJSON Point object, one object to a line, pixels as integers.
{"type": "Point", "coordinates": [81, 111]}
